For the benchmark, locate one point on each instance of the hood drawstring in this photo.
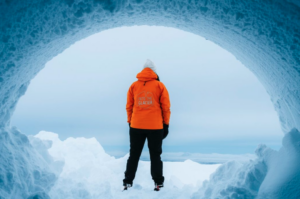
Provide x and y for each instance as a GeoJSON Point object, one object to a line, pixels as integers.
{"type": "Point", "coordinates": [145, 83]}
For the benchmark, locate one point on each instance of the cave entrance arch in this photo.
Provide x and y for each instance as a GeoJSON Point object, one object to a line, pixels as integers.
{"type": "Point", "coordinates": [264, 36]}
{"type": "Point", "coordinates": [82, 60]}
{"type": "Point", "coordinates": [256, 33]}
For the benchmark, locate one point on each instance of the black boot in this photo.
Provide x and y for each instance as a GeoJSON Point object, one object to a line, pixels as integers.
{"type": "Point", "coordinates": [158, 186]}
{"type": "Point", "coordinates": [126, 186]}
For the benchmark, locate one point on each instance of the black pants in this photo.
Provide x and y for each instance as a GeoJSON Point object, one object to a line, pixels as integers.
{"type": "Point", "coordinates": [137, 141]}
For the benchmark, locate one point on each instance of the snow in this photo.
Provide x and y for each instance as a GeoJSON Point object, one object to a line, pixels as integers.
{"type": "Point", "coordinates": [25, 168]}
{"type": "Point", "coordinates": [234, 179]}
{"type": "Point", "coordinates": [263, 35]}
{"type": "Point", "coordinates": [80, 168]}
{"type": "Point", "coordinates": [272, 175]}
{"type": "Point", "coordinates": [283, 177]}
{"type": "Point", "coordinates": [89, 172]}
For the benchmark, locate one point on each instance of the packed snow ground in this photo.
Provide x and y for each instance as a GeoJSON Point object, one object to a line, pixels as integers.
{"type": "Point", "coordinates": [80, 168]}
{"type": "Point", "coordinates": [88, 172]}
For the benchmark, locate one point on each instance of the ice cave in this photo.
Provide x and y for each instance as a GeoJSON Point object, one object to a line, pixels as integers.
{"type": "Point", "coordinates": [263, 35]}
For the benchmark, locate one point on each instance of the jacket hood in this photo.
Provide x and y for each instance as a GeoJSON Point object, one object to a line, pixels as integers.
{"type": "Point", "coordinates": [146, 74]}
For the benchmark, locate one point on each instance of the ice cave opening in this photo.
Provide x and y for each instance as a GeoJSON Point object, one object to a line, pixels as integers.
{"type": "Point", "coordinates": [74, 80]}
{"type": "Point", "coordinates": [81, 93]}
{"type": "Point", "coordinates": [263, 35]}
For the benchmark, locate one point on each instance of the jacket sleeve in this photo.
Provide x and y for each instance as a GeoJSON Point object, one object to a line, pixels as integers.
{"type": "Point", "coordinates": [165, 104]}
{"type": "Point", "coordinates": [130, 102]}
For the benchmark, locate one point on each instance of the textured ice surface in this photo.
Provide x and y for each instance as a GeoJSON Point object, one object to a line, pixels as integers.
{"type": "Point", "coordinates": [263, 35]}
{"type": "Point", "coordinates": [235, 179]}
{"type": "Point", "coordinates": [261, 178]}
{"type": "Point", "coordinates": [283, 166]}
{"type": "Point", "coordinates": [26, 170]}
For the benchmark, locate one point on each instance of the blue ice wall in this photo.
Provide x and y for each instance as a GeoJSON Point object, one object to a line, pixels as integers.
{"type": "Point", "coordinates": [26, 169]}
{"type": "Point", "coordinates": [264, 35]}
{"type": "Point", "coordinates": [272, 175]}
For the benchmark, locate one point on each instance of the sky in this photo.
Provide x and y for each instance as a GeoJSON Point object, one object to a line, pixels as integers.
{"type": "Point", "coordinates": [217, 104]}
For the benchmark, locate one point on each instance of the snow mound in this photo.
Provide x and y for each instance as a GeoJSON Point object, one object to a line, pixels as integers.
{"type": "Point", "coordinates": [234, 179]}
{"type": "Point", "coordinates": [272, 175]}
{"type": "Point", "coordinates": [26, 169]}
{"type": "Point", "coordinates": [89, 172]}
{"type": "Point", "coordinates": [283, 177]}
{"type": "Point", "coordinates": [80, 168]}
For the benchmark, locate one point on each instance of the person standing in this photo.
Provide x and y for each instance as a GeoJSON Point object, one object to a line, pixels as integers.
{"type": "Point", "coordinates": [148, 115]}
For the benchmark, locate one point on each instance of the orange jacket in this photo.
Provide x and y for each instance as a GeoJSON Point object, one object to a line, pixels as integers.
{"type": "Point", "coordinates": [148, 103]}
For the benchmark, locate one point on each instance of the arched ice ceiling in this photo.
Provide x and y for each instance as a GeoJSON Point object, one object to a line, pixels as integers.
{"type": "Point", "coordinates": [263, 34]}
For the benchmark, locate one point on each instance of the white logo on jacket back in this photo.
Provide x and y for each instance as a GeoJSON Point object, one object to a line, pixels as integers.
{"type": "Point", "coordinates": [144, 100]}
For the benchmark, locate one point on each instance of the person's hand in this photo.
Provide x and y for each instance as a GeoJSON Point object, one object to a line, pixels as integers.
{"type": "Point", "coordinates": [129, 125]}
{"type": "Point", "coordinates": [166, 130]}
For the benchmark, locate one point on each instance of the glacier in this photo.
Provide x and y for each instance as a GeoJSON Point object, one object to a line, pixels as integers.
{"type": "Point", "coordinates": [263, 35]}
